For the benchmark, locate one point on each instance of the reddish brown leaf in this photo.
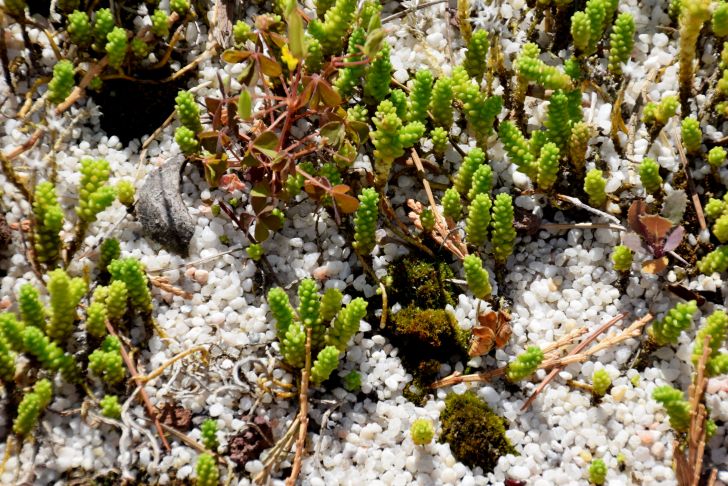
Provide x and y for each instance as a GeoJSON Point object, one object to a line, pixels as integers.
{"type": "Point", "coordinates": [348, 204]}
{"type": "Point", "coordinates": [656, 227]}
{"type": "Point", "coordinates": [232, 55]}
{"type": "Point", "coordinates": [636, 210]}
{"type": "Point", "coordinates": [269, 66]}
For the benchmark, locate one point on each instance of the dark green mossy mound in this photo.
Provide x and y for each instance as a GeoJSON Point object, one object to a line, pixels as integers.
{"type": "Point", "coordinates": [428, 333]}
{"type": "Point", "coordinates": [421, 282]}
{"type": "Point", "coordinates": [476, 434]}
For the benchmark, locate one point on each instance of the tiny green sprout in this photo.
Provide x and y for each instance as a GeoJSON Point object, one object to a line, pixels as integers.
{"type": "Point", "coordinates": [79, 28]}
{"type": "Point", "coordinates": [477, 277]}
{"type": "Point", "coordinates": [224, 239]}
{"type": "Point", "coordinates": [206, 471]}
{"type": "Point", "coordinates": [503, 234]}
{"type": "Point", "coordinates": [139, 48]}
{"type": "Point", "coordinates": [378, 76]}
{"type": "Point", "coordinates": [422, 431]}
{"type": "Point", "coordinates": [365, 221]}
{"type": "Point", "coordinates": [715, 208]}
{"type": "Point", "coordinates": [525, 364]}
{"type": "Point", "coordinates": [179, 6]}
{"type": "Point", "coordinates": [635, 380]}
{"type": "Point", "coordinates": [441, 103]}
{"type": "Point", "coordinates": [451, 206]}
{"type": "Point", "coordinates": [185, 138]}
{"type": "Point", "coordinates": [650, 176]}
{"type": "Point", "coordinates": [208, 434]}
{"type": "Point", "coordinates": [601, 381]}
{"type": "Point", "coordinates": [188, 111]}
{"type": "Point", "coordinates": [439, 140]}
{"type": "Point", "coordinates": [476, 55]}
{"type": "Point", "coordinates": [427, 219]}
{"type": "Point", "coordinates": [110, 407]}
{"type": "Point", "coordinates": [352, 381]}
{"type": "Point", "coordinates": [116, 46]}
{"type": "Point", "coordinates": [420, 95]}
{"type": "Point", "coordinates": [622, 258]}
{"type": "Point", "coordinates": [678, 409]}
{"type": "Point", "coordinates": [720, 228]}
{"type": "Point", "coordinates": [31, 406]}
{"type": "Point", "coordinates": [62, 82]}
{"type": "Point", "coordinates": [716, 157]}
{"type": "Point", "coordinates": [715, 261]}
{"type": "Point", "coordinates": [597, 472]}
{"type": "Point", "coordinates": [677, 319]}
{"type": "Point", "coordinates": [692, 136]}
{"type": "Point", "coordinates": [160, 24]}
{"type": "Point", "coordinates": [666, 109]}
{"type": "Point", "coordinates": [594, 186]}
{"type": "Point", "coordinates": [255, 251]}
{"type": "Point", "coordinates": [125, 192]}
{"type": "Point", "coordinates": [621, 42]}
{"type": "Point", "coordinates": [478, 220]}
{"type": "Point", "coordinates": [241, 32]}
{"type": "Point", "coordinates": [103, 25]}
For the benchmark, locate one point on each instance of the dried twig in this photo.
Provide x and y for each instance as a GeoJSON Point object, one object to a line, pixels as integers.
{"type": "Point", "coordinates": [142, 393]}
{"type": "Point", "coordinates": [162, 282]}
{"type": "Point", "coordinates": [156, 373]}
{"type": "Point", "coordinates": [410, 10]}
{"type": "Point", "coordinates": [688, 468]}
{"type": "Point", "coordinates": [691, 184]}
{"type": "Point", "coordinates": [576, 202]}
{"type": "Point", "coordinates": [303, 414]}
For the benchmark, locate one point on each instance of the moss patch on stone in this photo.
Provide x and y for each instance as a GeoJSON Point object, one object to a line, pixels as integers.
{"type": "Point", "coordinates": [476, 434]}
{"type": "Point", "coordinates": [421, 282]}
{"type": "Point", "coordinates": [423, 334]}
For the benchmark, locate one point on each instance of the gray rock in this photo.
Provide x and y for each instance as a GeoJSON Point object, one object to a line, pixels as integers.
{"type": "Point", "coordinates": [160, 210]}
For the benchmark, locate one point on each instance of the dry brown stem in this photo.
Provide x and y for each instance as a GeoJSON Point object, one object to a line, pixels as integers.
{"type": "Point", "coordinates": [689, 467]}
{"type": "Point", "coordinates": [302, 414]}
{"type": "Point", "coordinates": [162, 282]}
{"type": "Point", "coordinates": [142, 393]}
{"type": "Point", "coordinates": [677, 139]}
{"type": "Point", "coordinates": [556, 363]}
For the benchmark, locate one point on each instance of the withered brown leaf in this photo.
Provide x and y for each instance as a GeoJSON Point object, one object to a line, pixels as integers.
{"type": "Point", "coordinates": [493, 329]}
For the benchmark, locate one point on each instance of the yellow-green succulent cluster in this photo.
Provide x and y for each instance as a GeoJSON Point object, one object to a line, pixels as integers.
{"type": "Point", "coordinates": [331, 328]}
{"type": "Point", "coordinates": [48, 223]}
{"type": "Point", "coordinates": [621, 42]}
{"type": "Point", "coordinates": [678, 319]}
{"type": "Point", "coordinates": [31, 406]}
{"type": "Point", "coordinates": [650, 177]}
{"type": "Point", "coordinates": [525, 364]}
{"type": "Point", "coordinates": [62, 82]}
{"type": "Point", "coordinates": [365, 221]}
{"type": "Point", "coordinates": [678, 409]}
{"type": "Point", "coordinates": [715, 329]}
{"type": "Point", "coordinates": [106, 361]}
{"type": "Point", "coordinates": [94, 195]}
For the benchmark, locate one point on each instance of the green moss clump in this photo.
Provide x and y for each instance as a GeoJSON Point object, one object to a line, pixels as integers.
{"type": "Point", "coordinates": [421, 282]}
{"type": "Point", "coordinates": [476, 434]}
{"type": "Point", "coordinates": [428, 333]}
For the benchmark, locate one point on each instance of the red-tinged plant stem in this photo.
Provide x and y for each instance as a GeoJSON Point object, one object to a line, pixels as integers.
{"type": "Point", "coordinates": [142, 393]}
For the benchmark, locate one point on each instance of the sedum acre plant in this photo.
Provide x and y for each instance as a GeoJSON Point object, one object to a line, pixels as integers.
{"type": "Point", "coordinates": [503, 236]}
{"type": "Point", "coordinates": [477, 277]}
{"type": "Point", "coordinates": [422, 431]}
{"type": "Point", "coordinates": [597, 472]}
{"type": "Point", "coordinates": [365, 221]}
{"type": "Point", "coordinates": [677, 319]}
{"type": "Point", "coordinates": [525, 364]}
{"type": "Point", "coordinates": [329, 335]}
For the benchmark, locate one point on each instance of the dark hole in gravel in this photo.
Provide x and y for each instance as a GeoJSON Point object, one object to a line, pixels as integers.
{"type": "Point", "coordinates": [131, 109]}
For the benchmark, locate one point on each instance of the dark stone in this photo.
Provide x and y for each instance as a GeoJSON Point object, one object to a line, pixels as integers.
{"type": "Point", "coordinates": [161, 211]}
{"type": "Point", "coordinates": [249, 444]}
